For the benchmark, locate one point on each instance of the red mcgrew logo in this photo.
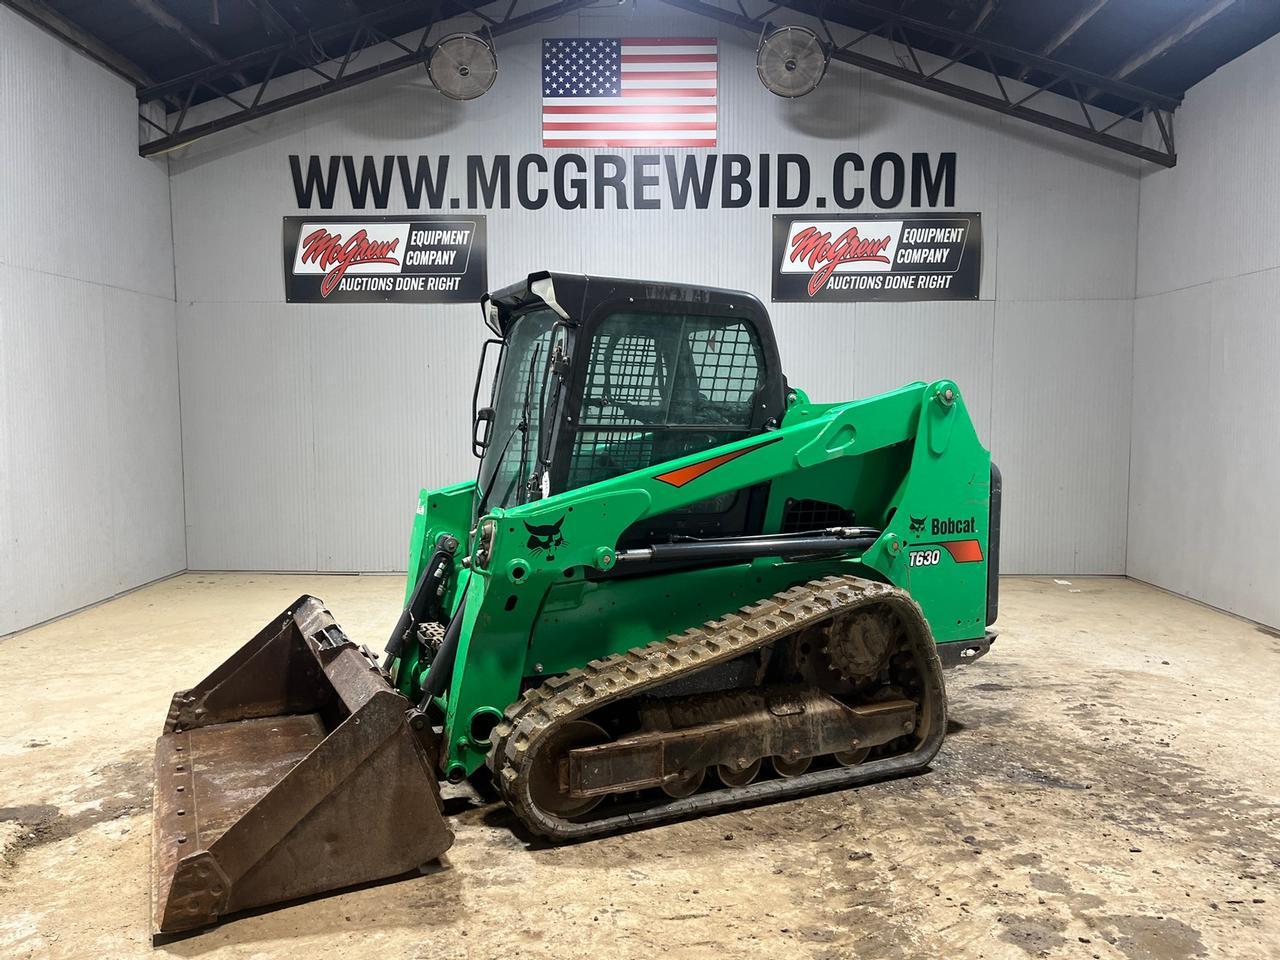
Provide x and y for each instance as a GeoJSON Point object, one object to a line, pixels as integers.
{"type": "Point", "coordinates": [823, 255]}
{"type": "Point", "coordinates": [335, 255]}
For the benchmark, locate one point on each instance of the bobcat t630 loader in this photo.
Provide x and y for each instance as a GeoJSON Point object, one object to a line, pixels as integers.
{"type": "Point", "coordinates": [675, 586]}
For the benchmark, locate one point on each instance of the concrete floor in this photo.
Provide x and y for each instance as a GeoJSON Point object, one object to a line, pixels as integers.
{"type": "Point", "coordinates": [1111, 789]}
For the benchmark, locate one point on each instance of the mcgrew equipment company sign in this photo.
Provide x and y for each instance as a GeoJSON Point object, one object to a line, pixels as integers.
{"type": "Point", "coordinates": [877, 257]}
{"type": "Point", "coordinates": [422, 259]}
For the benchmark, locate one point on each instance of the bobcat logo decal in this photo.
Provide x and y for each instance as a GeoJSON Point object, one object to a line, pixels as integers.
{"type": "Point", "coordinates": [545, 537]}
{"type": "Point", "coordinates": [917, 524]}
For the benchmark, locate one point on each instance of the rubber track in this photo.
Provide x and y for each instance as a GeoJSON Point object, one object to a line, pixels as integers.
{"type": "Point", "coordinates": [579, 692]}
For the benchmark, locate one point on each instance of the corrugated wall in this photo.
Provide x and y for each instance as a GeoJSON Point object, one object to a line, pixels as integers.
{"type": "Point", "coordinates": [309, 429]}
{"type": "Point", "coordinates": [1204, 515]}
{"type": "Point", "coordinates": [90, 450]}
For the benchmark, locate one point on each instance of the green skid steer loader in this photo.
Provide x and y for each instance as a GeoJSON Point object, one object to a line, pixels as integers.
{"type": "Point", "coordinates": [676, 586]}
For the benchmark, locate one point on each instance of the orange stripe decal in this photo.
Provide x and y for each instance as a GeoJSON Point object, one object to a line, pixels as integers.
{"type": "Point", "coordinates": [678, 478]}
{"type": "Point", "coordinates": [964, 551]}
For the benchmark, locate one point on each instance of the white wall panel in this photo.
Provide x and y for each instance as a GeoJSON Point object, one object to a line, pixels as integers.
{"type": "Point", "coordinates": [1204, 518]}
{"type": "Point", "coordinates": [1206, 454]}
{"type": "Point", "coordinates": [1175, 448]}
{"type": "Point", "coordinates": [249, 437]}
{"type": "Point", "coordinates": [8, 555]}
{"type": "Point", "coordinates": [1213, 215]}
{"type": "Point", "coordinates": [78, 200]}
{"type": "Point", "coordinates": [1243, 555]}
{"type": "Point", "coordinates": [91, 499]}
{"type": "Point", "coordinates": [1066, 220]}
{"type": "Point", "coordinates": [143, 471]}
{"type": "Point", "coordinates": [382, 403]}
{"type": "Point", "coordinates": [327, 421]}
{"type": "Point", "coordinates": [1059, 223]}
{"type": "Point", "coordinates": [1060, 433]}
{"type": "Point", "coordinates": [55, 497]}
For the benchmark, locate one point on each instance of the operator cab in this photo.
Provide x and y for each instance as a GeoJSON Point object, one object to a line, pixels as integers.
{"type": "Point", "coordinates": [598, 377]}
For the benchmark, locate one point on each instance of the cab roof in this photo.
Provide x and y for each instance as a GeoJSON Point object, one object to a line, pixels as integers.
{"type": "Point", "coordinates": [576, 296]}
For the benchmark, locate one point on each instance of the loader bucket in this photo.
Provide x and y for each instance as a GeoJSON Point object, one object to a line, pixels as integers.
{"type": "Point", "coordinates": [289, 771]}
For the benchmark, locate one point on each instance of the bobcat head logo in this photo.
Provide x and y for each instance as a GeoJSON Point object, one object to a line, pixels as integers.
{"type": "Point", "coordinates": [545, 537]}
{"type": "Point", "coordinates": [917, 524]}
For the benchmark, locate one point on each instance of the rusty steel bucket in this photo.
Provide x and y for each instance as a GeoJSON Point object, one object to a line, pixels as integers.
{"type": "Point", "coordinates": [289, 771]}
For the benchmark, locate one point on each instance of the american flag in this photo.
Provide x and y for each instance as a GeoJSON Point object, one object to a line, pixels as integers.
{"type": "Point", "coordinates": [630, 92]}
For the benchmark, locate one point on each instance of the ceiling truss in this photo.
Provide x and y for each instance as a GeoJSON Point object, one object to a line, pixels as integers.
{"type": "Point", "coordinates": [329, 54]}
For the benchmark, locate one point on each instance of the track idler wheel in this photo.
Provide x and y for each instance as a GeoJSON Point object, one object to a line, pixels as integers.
{"type": "Point", "coordinates": [851, 758]}
{"type": "Point", "coordinates": [687, 785]}
{"type": "Point", "coordinates": [788, 768]}
{"type": "Point", "coordinates": [738, 775]}
{"type": "Point", "coordinates": [545, 785]}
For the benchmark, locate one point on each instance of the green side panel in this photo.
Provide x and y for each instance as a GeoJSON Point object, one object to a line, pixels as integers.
{"type": "Point", "coordinates": [864, 485]}
{"type": "Point", "coordinates": [935, 546]}
{"type": "Point", "coordinates": [440, 511]}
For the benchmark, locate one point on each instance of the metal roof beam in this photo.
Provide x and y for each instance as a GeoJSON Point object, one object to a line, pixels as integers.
{"type": "Point", "coordinates": [984, 15]}
{"type": "Point", "coordinates": [1164, 43]}
{"type": "Point", "coordinates": [273, 18]}
{"type": "Point", "coordinates": [1063, 36]}
{"type": "Point", "coordinates": [1172, 38]}
{"type": "Point", "coordinates": [48, 19]}
{"type": "Point", "coordinates": [978, 23]}
{"type": "Point", "coordinates": [153, 10]}
{"type": "Point", "coordinates": [1074, 26]}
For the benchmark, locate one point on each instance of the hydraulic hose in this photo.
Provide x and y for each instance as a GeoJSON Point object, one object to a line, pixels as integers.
{"type": "Point", "coordinates": [424, 603]}
{"type": "Point", "coordinates": [441, 670]}
{"type": "Point", "coordinates": [817, 543]}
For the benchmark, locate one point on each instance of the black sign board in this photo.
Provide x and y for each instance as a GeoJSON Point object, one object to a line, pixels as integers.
{"type": "Point", "coordinates": [422, 259]}
{"type": "Point", "coordinates": [887, 256]}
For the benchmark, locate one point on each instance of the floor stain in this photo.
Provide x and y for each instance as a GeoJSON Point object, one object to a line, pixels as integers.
{"type": "Point", "coordinates": [1037, 935]}
{"type": "Point", "coordinates": [111, 791]}
{"type": "Point", "coordinates": [1153, 938]}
